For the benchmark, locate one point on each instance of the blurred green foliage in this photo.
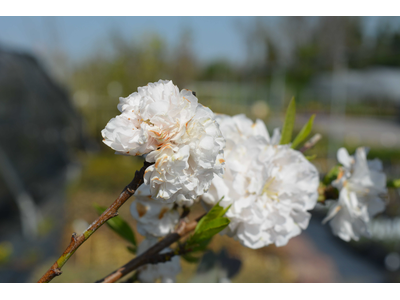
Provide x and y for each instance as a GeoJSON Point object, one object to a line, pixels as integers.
{"type": "Point", "coordinates": [106, 172]}
{"type": "Point", "coordinates": [6, 250]}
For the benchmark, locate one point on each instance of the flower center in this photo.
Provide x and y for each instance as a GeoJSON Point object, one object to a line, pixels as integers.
{"type": "Point", "coordinates": [148, 122]}
{"type": "Point", "coordinates": [271, 193]}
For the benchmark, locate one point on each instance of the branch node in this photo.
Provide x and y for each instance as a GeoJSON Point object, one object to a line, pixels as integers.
{"type": "Point", "coordinates": [181, 227]}
{"type": "Point", "coordinates": [73, 237]}
{"type": "Point", "coordinates": [57, 272]}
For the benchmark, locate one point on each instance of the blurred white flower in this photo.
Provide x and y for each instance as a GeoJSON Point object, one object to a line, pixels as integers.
{"type": "Point", "coordinates": [361, 184]}
{"type": "Point", "coordinates": [154, 218]}
{"type": "Point", "coordinates": [165, 272]}
{"type": "Point", "coordinates": [171, 129]}
{"type": "Point", "coordinates": [270, 186]}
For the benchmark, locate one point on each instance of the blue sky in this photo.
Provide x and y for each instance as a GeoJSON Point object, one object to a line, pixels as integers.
{"type": "Point", "coordinates": [78, 37]}
{"type": "Point", "coordinates": [213, 37]}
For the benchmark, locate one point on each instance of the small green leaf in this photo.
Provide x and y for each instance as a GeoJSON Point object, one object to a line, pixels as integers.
{"type": "Point", "coordinates": [210, 228]}
{"type": "Point", "coordinates": [289, 123]}
{"type": "Point", "coordinates": [120, 226]}
{"type": "Point", "coordinates": [311, 157]}
{"type": "Point", "coordinates": [304, 132]}
{"type": "Point", "coordinates": [211, 224]}
{"type": "Point", "coordinates": [191, 259]}
{"type": "Point", "coordinates": [332, 175]}
{"type": "Point", "coordinates": [195, 246]}
{"type": "Point", "coordinates": [131, 249]}
{"type": "Point", "coordinates": [394, 183]}
{"type": "Point", "coordinates": [216, 211]}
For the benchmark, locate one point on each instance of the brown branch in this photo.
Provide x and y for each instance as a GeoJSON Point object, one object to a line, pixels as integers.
{"type": "Point", "coordinates": [164, 257]}
{"type": "Point", "coordinates": [111, 212]}
{"type": "Point", "coordinates": [185, 212]}
{"type": "Point", "coordinates": [311, 143]}
{"type": "Point", "coordinates": [146, 257]}
{"type": "Point", "coordinates": [158, 258]}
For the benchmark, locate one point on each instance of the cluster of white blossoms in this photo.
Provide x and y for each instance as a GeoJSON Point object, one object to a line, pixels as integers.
{"type": "Point", "coordinates": [181, 137]}
{"type": "Point", "coordinates": [361, 184]}
{"type": "Point", "coordinates": [269, 186]}
{"type": "Point", "coordinates": [164, 272]}
{"type": "Point", "coordinates": [176, 133]}
{"type": "Point", "coordinates": [154, 218]}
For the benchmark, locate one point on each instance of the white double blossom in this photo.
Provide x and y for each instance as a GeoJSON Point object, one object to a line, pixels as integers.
{"type": "Point", "coordinates": [154, 218]}
{"type": "Point", "coordinates": [171, 129]}
{"type": "Point", "coordinates": [361, 184]}
{"type": "Point", "coordinates": [165, 272]}
{"type": "Point", "coordinates": [270, 186]}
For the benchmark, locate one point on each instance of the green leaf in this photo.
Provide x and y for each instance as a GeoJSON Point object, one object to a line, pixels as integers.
{"type": "Point", "coordinates": [332, 175]}
{"type": "Point", "coordinates": [118, 225]}
{"type": "Point", "coordinates": [191, 259]}
{"type": "Point", "coordinates": [394, 183]}
{"type": "Point", "coordinates": [131, 249]}
{"type": "Point", "coordinates": [216, 211]}
{"type": "Point", "coordinates": [289, 123]}
{"type": "Point", "coordinates": [304, 132]}
{"type": "Point", "coordinates": [196, 246]}
{"type": "Point", "coordinates": [311, 157]}
{"type": "Point", "coordinates": [211, 224]}
{"type": "Point", "coordinates": [210, 228]}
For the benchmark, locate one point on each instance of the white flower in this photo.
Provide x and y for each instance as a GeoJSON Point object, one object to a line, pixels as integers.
{"type": "Point", "coordinates": [270, 186]}
{"type": "Point", "coordinates": [171, 129]}
{"type": "Point", "coordinates": [165, 272]}
{"type": "Point", "coordinates": [239, 128]}
{"type": "Point", "coordinates": [154, 218]}
{"type": "Point", "coordinates": [361, 184]}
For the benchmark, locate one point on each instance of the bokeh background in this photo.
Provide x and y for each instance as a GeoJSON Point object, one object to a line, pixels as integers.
{"type": "Point", "coordinates": [60, 80]}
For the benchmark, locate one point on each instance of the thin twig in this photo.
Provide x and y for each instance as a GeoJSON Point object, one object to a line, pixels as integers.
{"type": "Point", "coordinates": [164, 257]}
{"type": "Point", "coordinates": [311, 143]}
{"type": "Point", "coordinates": [146, 257]}
{"type": "Point", "coordinates": [111, 212]}
{"type": "Point", "coordinates": [159, 258]}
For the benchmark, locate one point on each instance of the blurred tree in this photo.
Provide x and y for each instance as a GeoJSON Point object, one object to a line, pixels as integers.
{"type": "Point", "coordinates": [219, 70]}
{"type": "Point", "coordinates": [386, 50]}
{"type": "Point", "coordinates": [183, 66]}
{"type": "Point", "coordinates": [283, 55]}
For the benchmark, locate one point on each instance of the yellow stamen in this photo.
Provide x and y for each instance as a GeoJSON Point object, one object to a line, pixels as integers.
{"type": "Point", "coordinates": [270, 193]}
